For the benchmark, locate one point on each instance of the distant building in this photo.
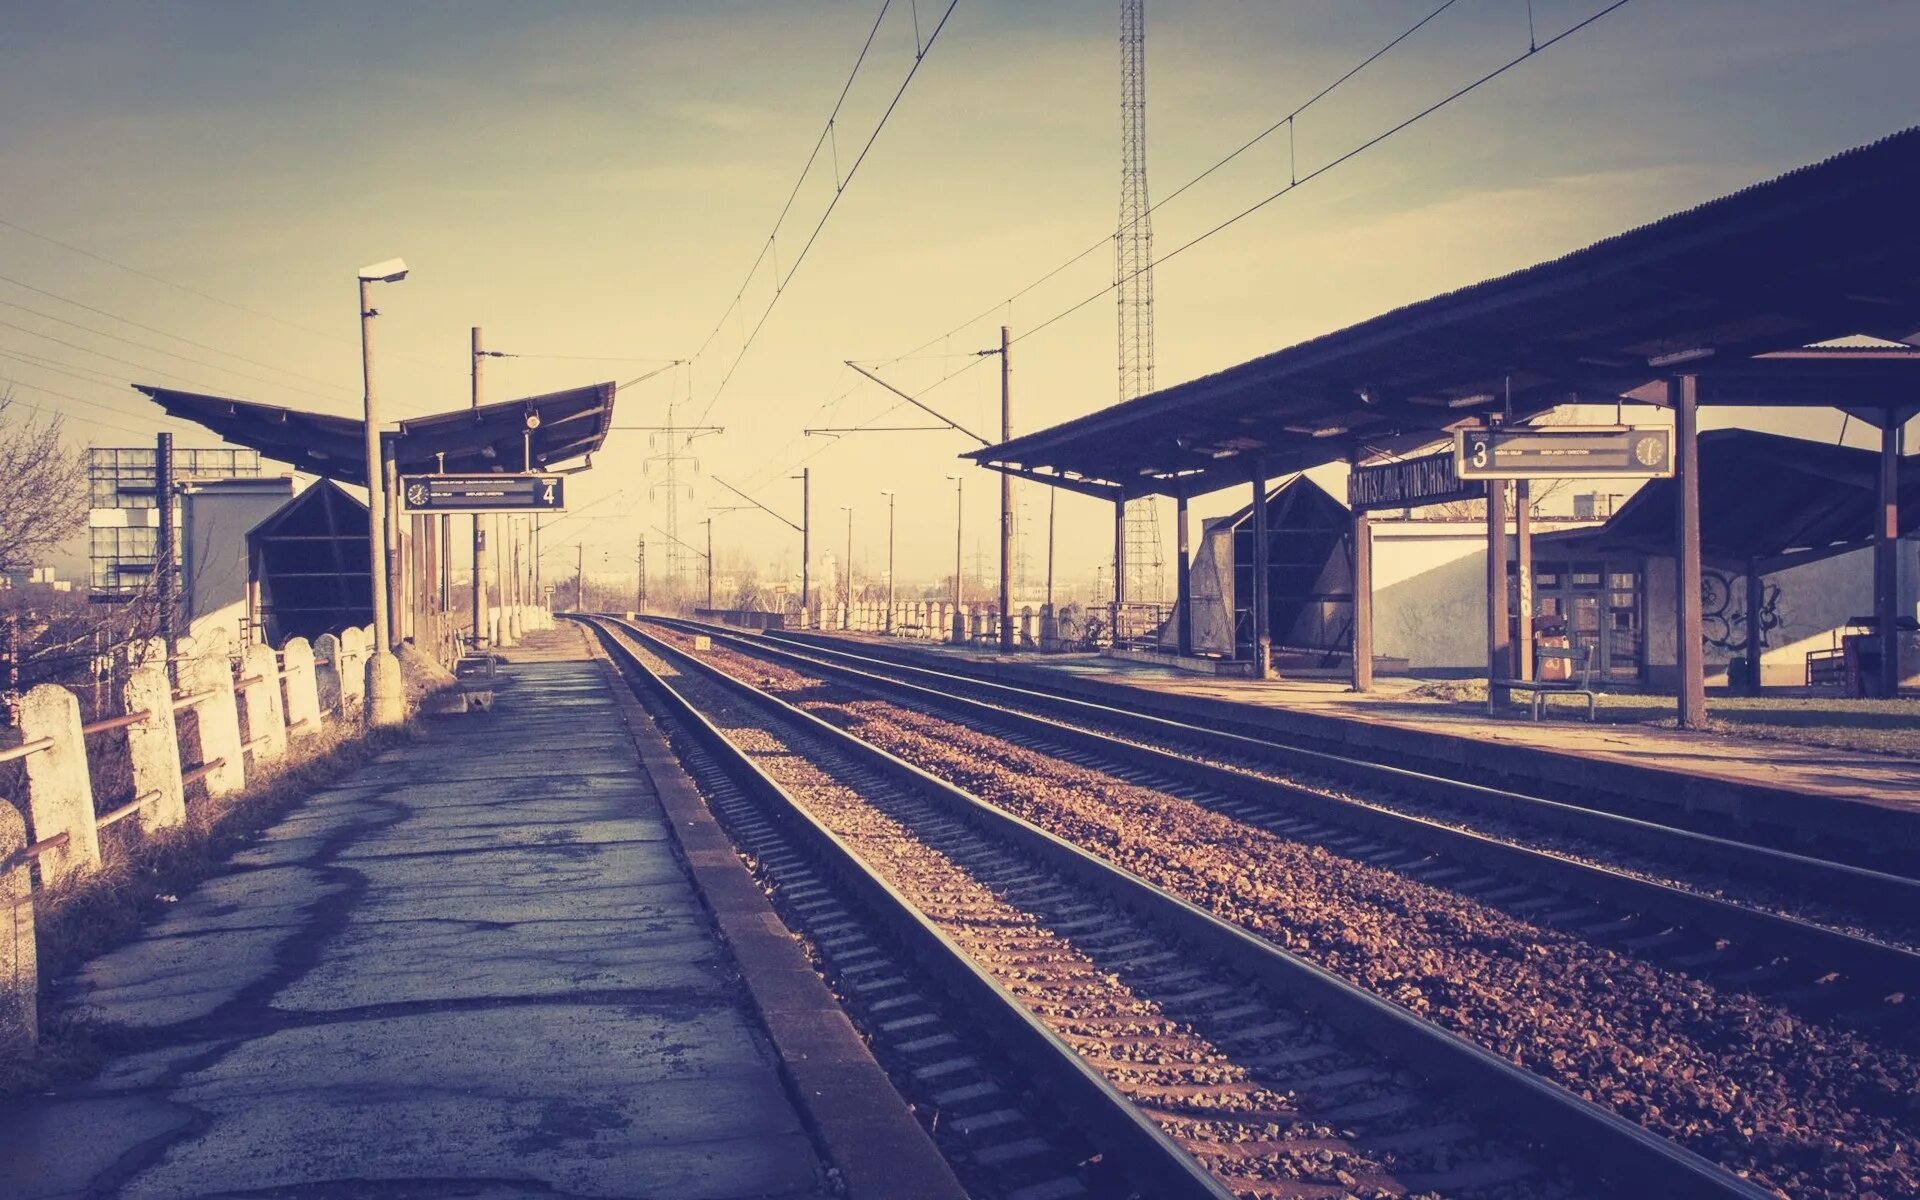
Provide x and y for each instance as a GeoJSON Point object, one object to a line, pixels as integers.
{"type": "Point", "coordinates": [123, 519]}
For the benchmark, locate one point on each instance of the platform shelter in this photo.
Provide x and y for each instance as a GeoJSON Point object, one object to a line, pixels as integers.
{"type": "Point", "coordinates": [533, 433]}
{"type": "Point", "coordinates": [1728, 303]}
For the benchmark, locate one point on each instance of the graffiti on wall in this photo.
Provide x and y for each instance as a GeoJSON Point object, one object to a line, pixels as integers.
{"type": "Point", "coordinates": [1723, 613]}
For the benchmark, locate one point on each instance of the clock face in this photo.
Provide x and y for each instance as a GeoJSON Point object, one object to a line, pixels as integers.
{"type": "Point", "coordinates": [416, 494]}
{"type": "Point", "coordinates": [1648, 452]}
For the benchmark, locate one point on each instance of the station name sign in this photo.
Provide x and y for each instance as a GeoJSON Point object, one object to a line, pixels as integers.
{"type": "Point", "coordinates": [1409, 484]}
{"type": "Point", "coordinates": [1564, 452]}
{"type": "Point", "coordinates": [482, 493]}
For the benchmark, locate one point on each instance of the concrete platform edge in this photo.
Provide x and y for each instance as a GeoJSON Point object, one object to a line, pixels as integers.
{"type": "Point", "coordinates": [864, 1127]}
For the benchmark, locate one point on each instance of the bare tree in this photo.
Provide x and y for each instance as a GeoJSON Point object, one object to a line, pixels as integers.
{"type": "Point", "coordinates": [43, 488]}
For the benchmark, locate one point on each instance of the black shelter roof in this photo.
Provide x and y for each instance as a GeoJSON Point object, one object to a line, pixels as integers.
{"type": "Point", "coordinates": [1823, 252]}
{"type": "Point", "coordinates": [493, 437]}
{"type": "Point", "coordinates": [1762, 496]}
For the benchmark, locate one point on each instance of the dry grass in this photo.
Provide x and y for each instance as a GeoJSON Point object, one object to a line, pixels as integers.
{"type": "Point", "coordinates": [81, 919]}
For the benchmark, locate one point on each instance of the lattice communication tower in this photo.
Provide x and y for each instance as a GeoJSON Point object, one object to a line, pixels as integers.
{"type": "Point", "coordinates": [1133, 277]}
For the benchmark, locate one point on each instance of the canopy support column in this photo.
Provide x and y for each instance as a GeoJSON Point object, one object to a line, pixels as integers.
{"type": "Point", "coordinates": [1523, 577]}
{"type": "Point", "coordinates": [1886, 555]}
{"type": "Point", "coordinates": [1119, 567]}
{"type": "Point", "coordinates": [1683, 393]}
{"type": "Point", "coordinates": [1182, 578]}
{"type": "Point", "coordinates": [1498, 647]}
{"type": "Point", "coordinates": [1362, 602]}
{"type": "Point", "coordinates": [1756, 597]}
{"type": "Point", "coordinates": [1262, 636]}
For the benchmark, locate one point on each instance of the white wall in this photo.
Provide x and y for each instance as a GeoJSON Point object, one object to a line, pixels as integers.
{"type": "Point", "coordinates": [215, 516]}
{"type": "Point", "coordinates": [1813, 606]}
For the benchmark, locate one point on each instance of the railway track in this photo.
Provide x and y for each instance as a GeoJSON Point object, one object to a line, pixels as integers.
{"type": "Point", "coordinates": [1618, 985]}
{"type": "Point", "coordinates": [1833, 879]}
{"type": "Point", "coordinates": [1177, 1040]}
{"type": "Point", "coordinates": [1821, 959]}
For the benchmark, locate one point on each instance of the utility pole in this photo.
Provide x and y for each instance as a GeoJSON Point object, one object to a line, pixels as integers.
{"type": "Point", "coordinates": [580, 578]}
{"type": "Point", "coordinates": [847, 570]}
{"type": "Point", "coordinates": [890, 499]}
{"type": "Point", "coordinates": [806, 539]}
{"type": "Point", "coordinates": [709, 565]}
{"type": "Point", "coordinates": [959, 521]}
{"type": "Point", "coordinates": [640, 576]}
{"type": "Point", "coordinates": [164, 553]}
{"type": "Point", "coordinates": [480, 623]}
{"type": "Point", "coordinates": [1006, 497]}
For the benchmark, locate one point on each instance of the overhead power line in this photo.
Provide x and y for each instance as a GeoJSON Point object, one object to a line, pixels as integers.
{"type": "Point", "coordinates": [841, 182]}
{"type": "Point", "coordinates": [1300, 180]}
{"type": "Point", "coordinates": [1106, 240]}
{"type": "Point", "coordinates": [181, 287]}
{"type": "Point", "coordinates": [163, 333]}
{"type": "Point", "coordinates": [199, 362]}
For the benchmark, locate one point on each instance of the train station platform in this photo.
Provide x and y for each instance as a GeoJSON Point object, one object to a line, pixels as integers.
{"type": "Point", "coordinates": [1805, 793]}
{"type": "Point", "coordinates": [484, 965]}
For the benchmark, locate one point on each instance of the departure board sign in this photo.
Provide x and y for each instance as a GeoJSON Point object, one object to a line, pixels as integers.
{"type": "Point", "coordinates": [1409, 483]}
{"type": "Point", "coordinates": [482, 493]}
{"type": "Point", "coordinates": [1564, 452]}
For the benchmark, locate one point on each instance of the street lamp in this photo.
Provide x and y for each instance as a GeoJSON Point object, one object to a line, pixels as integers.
{"type": "Point", "coordinates": [386, 700]}
{"type": "Point", "coordinates": [959, 515]}
{"type": "Point", "coordinates": [846, 621]}
{"type": "Point", "coordinates": [889, 496]}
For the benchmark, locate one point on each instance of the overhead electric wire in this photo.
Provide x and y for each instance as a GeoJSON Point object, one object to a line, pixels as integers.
{"type": "Point", "coordinates": [1106, 240]}
{"type": "Point", "coordinates": [1361, 148]}
{"type": "Point", "coordinates": [192, 291]}
{"type": "Point", "coordinates": [163, 333]}
{"type": "Point", "coordinates": [199, 362]}
{"type": "Point", "coordinates": [840, 189]}
{"type": "Point", "coordinates": [1296, 181]}
{"type": "Point", "coordinates": [11, 382]}
{"type": "Point", "coordinates": [826, 132]}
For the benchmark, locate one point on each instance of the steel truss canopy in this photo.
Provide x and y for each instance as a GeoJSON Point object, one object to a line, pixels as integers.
{"type": "Point", "coordinates": [1732, 291]}
{"type": "Point", "coordinates": [541, 431]}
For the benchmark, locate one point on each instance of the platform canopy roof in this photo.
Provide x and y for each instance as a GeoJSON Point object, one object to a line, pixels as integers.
{"type": "Point", "coordinates": [1763, 498]}
{"type": "Point", "coordinates": [484, 440]}
{"type": "Point", "coordinates": [1822, 253]}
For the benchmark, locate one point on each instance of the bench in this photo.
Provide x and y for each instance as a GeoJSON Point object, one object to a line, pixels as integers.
{"type": "Point", "coordinates": [1580, 682]}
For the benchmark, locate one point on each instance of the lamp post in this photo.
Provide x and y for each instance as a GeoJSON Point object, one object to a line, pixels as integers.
{"type": "Point", "coordinates": [959, 517]}
{"type": "Point", "coordinates": [889, 496]}
{"type": "Point", "coordinates": [386, 701]}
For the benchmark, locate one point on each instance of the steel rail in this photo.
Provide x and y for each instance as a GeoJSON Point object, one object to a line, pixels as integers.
{"type": "Point", "coordinates": [1604, 1142]}
{"type": "Point", "coordinates": [1110, 1118]}
{"type": "Point", "coordinates": [1889, 967]}
{"type": "Point", "coordinates": [1824, 879]}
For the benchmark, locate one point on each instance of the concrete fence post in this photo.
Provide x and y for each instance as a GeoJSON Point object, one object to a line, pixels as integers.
{"type": "Point", "coordinates": [353, 670]}
{"type": "Point", "coordinates": [266, 720]}
{"type": "Point", "coordinates": [302, 690]}
{"type": "Point", "coordinates": [153, 746]}
{"type": "Point", "coordinates": [327, 675]}
{"type": "Point", "coordinates": [218, 720]}
{"type": "Point", "coordinates": [19, 958]}
{"type": "Point", "coordinates": [59, 790]}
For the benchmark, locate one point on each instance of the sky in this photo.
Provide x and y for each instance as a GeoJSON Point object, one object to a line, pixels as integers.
{"type": "Point", "coordinates": [590, 183]}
